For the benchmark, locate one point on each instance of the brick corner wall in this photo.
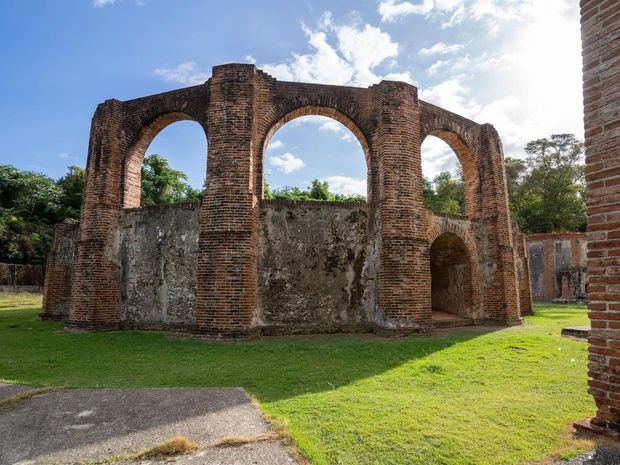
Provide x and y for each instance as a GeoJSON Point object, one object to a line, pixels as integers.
{"type": "Point", "coordinates": [600, 32]}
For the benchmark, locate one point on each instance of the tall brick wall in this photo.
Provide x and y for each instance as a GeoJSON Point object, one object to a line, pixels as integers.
{"type": "Point", "coordinates": [600, 32]}
{"type": "Point", "coordinates": [558, 265]}
{"type": "Point", "coordinates": [240, 108]}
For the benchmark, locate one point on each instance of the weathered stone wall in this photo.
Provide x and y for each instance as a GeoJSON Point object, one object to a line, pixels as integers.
{"type": "Point", "coordinates": [158, 248]}
{"type": "Point", "coordinates": [316, 267]}
{"type": "Point", "coordinates": [558, 265]}
{"type": "Point", "coordinates": [58, 281]}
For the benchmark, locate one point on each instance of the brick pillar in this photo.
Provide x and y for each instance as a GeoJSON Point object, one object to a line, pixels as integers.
{"type": "Point", "coordinates": [600, 32]}
{"type": "Point", "coordinates": [57, 290]}
{"type": "Point", "coordinates": [95, 278]}
{"type": "Point", "coordinates": [525, 287]}
{"type": "Point", "coordinates": [403, 277]}
{"type": "Point", "coordinates": [226, 270]}
{"type": "Point", "coordinates": [501, 299]}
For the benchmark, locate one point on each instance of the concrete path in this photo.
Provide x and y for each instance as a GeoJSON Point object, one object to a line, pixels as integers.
{"type": "Point", "coordinates": [85, 426]}
{"type": "Point", "coordinates": [603, 455]}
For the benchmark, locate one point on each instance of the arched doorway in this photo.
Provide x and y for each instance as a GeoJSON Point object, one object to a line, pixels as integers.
{"type": "Point", "coordinates": [451, 281]}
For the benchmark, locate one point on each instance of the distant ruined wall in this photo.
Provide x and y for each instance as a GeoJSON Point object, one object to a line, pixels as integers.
{"type": "Point", "coordinates": [558, 265]}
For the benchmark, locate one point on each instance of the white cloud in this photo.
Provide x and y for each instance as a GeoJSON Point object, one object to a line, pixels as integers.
{"type": "Point", "coordinates": [342, 54]}
{"type": "Point", "coordinates": [286, 163]}
{"type": "Point", "coordinates": [187, 73]}
{"type": "Point", "coordinates": [527, 83]}
{"type": "Point", "coordinates": [63, 155]}
{"type": "Point", "coordinates": [437, 156]}
{"type": "Point", "coordinates": [346, 185]}
{"type": "Point", "coordinates": [453, 95]}
{"type": "Point", "coordinates": [250, 59]}
{"type": "Point", "coordinates": [275, 144]}
{"type": "Point", "coordinates": [441, 48]}
{"type": "Point", "coordinates": [103, 3]}
{"type": "Point", "coordinates": [391, 10]}
{"type": "Point", "coordinates": [402, 77]}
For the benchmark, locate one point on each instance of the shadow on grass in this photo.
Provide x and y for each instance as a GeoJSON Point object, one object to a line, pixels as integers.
{"type": "Point", "coordinates": [42, 354]}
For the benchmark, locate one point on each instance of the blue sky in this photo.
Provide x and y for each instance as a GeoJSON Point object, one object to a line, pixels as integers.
{"type": "Point", "coordinates": [513, 63]}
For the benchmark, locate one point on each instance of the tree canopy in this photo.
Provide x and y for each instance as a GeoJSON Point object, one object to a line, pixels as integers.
{"type": "Point", "coordinates": [318, 190]}
{"type": "Point", "coordinates": [162, 184]}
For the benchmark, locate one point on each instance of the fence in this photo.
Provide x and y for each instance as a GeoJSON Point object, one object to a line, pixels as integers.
{"type": "Point", "coordinates": [26, 277]}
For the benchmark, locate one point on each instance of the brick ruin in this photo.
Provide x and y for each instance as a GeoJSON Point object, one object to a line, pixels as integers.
{"type": "Point", "coordinates": [600, 34]}
{"type": "Point", "coordinates": [239, 265]}
{"type": "Point", "coordinates": [558, 266]}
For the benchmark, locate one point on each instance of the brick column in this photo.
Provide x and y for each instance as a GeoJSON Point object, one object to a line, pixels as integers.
{"type": "Point", "coordinates": [226, 270]}
{"type": "Point", "coordinates": [600, 33]}
{"type": "Point", "coordinates": [95, 278]}
{"type": "Point", "coordinates": [501, 299]}
{"type": "Point", "coordinates": [57, 290]}
{"type": "Point", "coordinates": [525, 287]}
{"type": "Point", "coordinates": [403, 277]}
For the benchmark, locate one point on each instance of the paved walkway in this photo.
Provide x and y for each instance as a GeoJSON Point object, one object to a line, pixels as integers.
{"type": "Point", "coordinates": [90, 425]}
{"type": "Point", "coordinates": [603, 455]}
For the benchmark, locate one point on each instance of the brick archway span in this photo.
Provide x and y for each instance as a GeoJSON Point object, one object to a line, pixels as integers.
{"type": "Point", "coordinates": [463, 137]}
{"type": "Point", "coordinates": [439, 227]}
{"type": "Point", "coordinates": [341, 110]}
{"type": "Point", "coordinates": [131, 177]}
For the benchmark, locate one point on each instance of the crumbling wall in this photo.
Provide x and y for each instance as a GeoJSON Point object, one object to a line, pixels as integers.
{"type": "Point", "coordinates": [157, 255]}
{"type": "Point", "coordinates": [558, 266]}
{"type": "Point", "coordinates": [316, 267]}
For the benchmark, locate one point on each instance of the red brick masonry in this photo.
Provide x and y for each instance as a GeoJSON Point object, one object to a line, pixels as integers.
{"type": "Point", "coordinates": [240, 108]}
{"type": "Point", "coordinates": [600, 34]}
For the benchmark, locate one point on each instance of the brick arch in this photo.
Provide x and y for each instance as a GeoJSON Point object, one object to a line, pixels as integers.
{"type": "Point", "coordinates": [464, 143]}
{"type": "Point", "coordinates": [344, 112]}
{"type": "Point", "coordinates": [439, 229]}
{"type": "Point", "coordinates": [131, 177]}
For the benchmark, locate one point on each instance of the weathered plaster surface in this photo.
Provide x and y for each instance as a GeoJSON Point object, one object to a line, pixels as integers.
{"type": "Point", "coordinates": [316, 268]}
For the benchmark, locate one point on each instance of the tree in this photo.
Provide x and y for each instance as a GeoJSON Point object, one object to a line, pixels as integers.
{"type": "Point", "coordinates": [162, 184]}
{"type": "Point", "coordinates": [319, 190]}
{"type": "Point", "coordinates": [547, 190]}
{"type": "Point", "coordinates": [72, 185]}
{"type": "Point", "coordinates": [444, 194]}
{"type": "Point", "coordinates": [29, 206]}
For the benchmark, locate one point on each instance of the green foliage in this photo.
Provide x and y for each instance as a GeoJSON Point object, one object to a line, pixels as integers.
{"type": "Point", "coordinates": [30, 203]}
{"type": "Point", "coordinates": [547, 191]}
{"type": "Point", "coordinates": [162, 184]}
{"type": "Point", "coordinates": [463, 397]}
{"type": "Point", "coordinates": [444, 194]}
{"type": "Point", "coordinates": [72, 185]}
{"type": "Point", "coordinates": [319, 190]}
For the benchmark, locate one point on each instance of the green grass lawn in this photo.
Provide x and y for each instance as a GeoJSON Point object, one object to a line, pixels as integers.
{"type": "Point", "coordinates": [473, 396]}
